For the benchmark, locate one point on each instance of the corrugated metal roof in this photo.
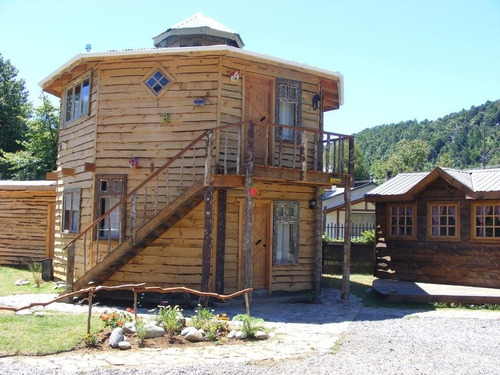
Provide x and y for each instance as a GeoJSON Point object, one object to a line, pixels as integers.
{"type": "Point", "coordinates": [477, 181]}
{"type": "Point", "coordinates": [400, 184]}
{"type": "Point", "coordinates": [486, 180]}
{"type": "Point", "coordinates": [200, 20]}
{"type": "Point", "coordinates": [336, 198]}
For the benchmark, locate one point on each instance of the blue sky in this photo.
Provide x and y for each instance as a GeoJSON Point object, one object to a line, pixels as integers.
{"type": "Point", "coordinates": [401, 59]}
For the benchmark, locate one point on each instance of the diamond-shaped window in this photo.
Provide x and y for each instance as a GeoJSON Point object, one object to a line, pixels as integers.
{"type": "Point", "coordinates": [157, 82]}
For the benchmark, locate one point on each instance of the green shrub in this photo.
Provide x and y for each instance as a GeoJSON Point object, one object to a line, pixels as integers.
{"type": "Point", "coordinates": [250, 325]}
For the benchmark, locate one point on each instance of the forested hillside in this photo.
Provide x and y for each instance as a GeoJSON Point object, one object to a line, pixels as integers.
{"type": "Point", "coordinates": [455, 140]}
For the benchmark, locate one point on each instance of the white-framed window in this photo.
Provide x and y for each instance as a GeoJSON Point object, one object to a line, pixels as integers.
{"type": "Point", "coordinates": [402, 220]}
{"type": "Point", "coordinates": [486, 220]}
{"type": "Point", "coordinates": [71, 210]}
{"type": "Point", "coordinates": [110, 189]}
{"type": "Point", "coordinates": [288, 108]}
{"type": "Point", "coordinates": [77, 99]}
{"type": "Point", "coordinates": [286, 232]}
{"type": "Point", "coordinates": [443, 221]}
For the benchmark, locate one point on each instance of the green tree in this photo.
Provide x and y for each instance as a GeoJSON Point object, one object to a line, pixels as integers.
{"type": "Point", "coordinates": [14, 112]}
{"type": "Point", "coordinates": [408, 156]}
{"type": "Point", "coordinates": [39, 152]}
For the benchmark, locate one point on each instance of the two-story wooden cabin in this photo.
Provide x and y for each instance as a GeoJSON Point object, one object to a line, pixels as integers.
{"type": "Point", "coordinates": [194, 163]}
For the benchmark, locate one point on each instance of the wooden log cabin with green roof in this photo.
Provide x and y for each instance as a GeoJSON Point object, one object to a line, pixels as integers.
{"type": "Point", "coordinates": [194, 163]}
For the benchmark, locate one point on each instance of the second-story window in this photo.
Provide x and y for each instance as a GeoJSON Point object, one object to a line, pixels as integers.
{"type": "Point", "coordinates": [77, 99]}
{"type": "Point", "coordinates": [288, 108]}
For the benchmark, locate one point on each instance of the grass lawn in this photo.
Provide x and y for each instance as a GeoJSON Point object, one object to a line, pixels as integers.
{"type": "Point", "coordinates": [38, 335]}
{"type": "Point", "coordinates": [9, 275]}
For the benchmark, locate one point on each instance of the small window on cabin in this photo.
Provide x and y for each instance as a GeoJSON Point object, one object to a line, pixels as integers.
{"type": "Point", "coordinates": [71, 211]}
{"type": "Point", "coordinates": [486, 221]}
{"type": "Point", "coordinates": [77, 99]}
{"type": "Point", "coordinates": [110, 191]}
{"type": "Point", "coordinates": [443, 220]}
{"type": "Point", "coordinates": [288, 109]}
{"type": "Point", "coordinates": [286, 232]}
{"type": "Point", "coordinates": [402, 220]}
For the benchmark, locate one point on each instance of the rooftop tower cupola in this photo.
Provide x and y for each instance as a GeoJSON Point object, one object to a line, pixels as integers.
{"type": "Point", "coordinates": [198, 30]}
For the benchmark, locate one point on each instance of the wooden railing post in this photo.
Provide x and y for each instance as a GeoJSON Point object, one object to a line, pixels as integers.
{"type": "Point", "coordinates": [133, 217]}
{"type": "Point", "coordinates": [303, 156]}
{"type": "Point", "coordinates": [208, 158]}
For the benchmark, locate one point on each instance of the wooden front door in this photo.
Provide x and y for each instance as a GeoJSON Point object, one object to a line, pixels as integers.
{"type": "Point", "coordinates": [258, 99]}
{"type": "Point", "coordinates": [260, 245]}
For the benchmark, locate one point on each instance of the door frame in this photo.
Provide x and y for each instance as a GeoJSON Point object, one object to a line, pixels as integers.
{"type": "Point", "coordinates": [272, 106]}
{"type": "Point", "coordinates": [241, 215]}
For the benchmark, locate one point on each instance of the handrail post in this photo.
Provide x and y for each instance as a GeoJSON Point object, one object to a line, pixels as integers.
{"type": "Point", "coordinates": [303, 156]}
{"type": "Point", "coordinates": [133, 216]}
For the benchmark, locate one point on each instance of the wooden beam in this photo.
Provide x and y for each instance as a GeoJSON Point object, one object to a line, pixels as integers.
{"type": "Point", "coordinates": [89, 167]}
{"type": "Point", "coordinates": [68, 172]}
{"type": "Point", "coordinates": [228, 181]}
{"type": "Point", "coordinates": [52, 176]}
{"type": "Point", "coordinates": [318, 234]}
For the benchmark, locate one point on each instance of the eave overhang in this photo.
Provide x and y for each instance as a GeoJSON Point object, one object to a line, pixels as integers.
{"type": "Point", "coordinates": [331, 82]}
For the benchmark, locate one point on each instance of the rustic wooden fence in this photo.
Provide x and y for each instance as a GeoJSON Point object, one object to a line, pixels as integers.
{"type": "Point", "coordinates": [362, 258]}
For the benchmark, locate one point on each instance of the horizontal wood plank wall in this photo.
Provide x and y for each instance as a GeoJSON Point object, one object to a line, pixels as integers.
{"type": "Point", "coordinates": [23, 219]}
{"type": "Point", "coordinates": [76, 147]}
{"type": "Point", "coordinates": [174, 259]}
{"type": "Point", "coordinates": [463, 262]}
{"type": "Point", "coordinates": [283, 277]}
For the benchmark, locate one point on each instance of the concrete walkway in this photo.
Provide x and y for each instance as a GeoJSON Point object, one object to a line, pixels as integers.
{"type": "Point", "coordinates": [297, 329]}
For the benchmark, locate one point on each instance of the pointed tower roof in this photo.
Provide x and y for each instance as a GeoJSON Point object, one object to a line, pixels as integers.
{"type": "Point", "coordinates": [198, 30]}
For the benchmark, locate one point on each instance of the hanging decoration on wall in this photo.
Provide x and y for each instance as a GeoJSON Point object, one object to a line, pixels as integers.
{"type": "Point", "coordinates": [253, 191]}
{"type": "Point", "coordinates": [133, 163]}
{"type": "Point", "coordinates": [235, 77]}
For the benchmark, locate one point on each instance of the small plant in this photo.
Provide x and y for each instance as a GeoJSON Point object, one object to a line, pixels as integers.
{"type": "Point", "coordinates": [367, 237]}
{"type": "Point", "coordinates": [170, 318]}
{"type": "Point", "coordinates": [36, 271]}
{"type": "Point", "coordinates": [250, 325]}
{"type": "Point", "coordinates": [91, 340]}
{"type": "Point", "coordinates": [140, 331]}
{"type": "Point", "coordinates": [115, 319]}
{"type": "Point", "coordinates": [203, 318]}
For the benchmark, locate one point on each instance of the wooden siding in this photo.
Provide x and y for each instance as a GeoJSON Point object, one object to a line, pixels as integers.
{"type": "Point", "coordinates": [76, 147]}
{"type": "Point", "coordinates": [126, 121]}
{"type": "Point", "coordinates": [25, 220]}
{"type": "Point", "coordinates": [463, 262]}
{"type": "Point", "coordinates": [174, 259]}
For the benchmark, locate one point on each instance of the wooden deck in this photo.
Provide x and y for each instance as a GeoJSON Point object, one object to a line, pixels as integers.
{"type": "Point", "coordinates": [406, 291]}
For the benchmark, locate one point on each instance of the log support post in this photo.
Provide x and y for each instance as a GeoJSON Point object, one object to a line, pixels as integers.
{"type": "Point", "coordinates": [318, 234]}
{"type": "Point", "coordinates": [207, 243]}
{"type": "Point", "coordinates": [70, 268]}
{"type": "Point", "coordinates": [221, 240]}
{"type": "Point", "coordinates": [248, 218]}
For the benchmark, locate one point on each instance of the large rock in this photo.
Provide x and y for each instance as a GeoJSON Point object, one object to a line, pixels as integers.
{"type": "Point", "coordinates": [129, 328]}
{"type": "Point", "coordinates": [261, 335]}
{"type": "Point", "coordinates": [124, 345]}
{"type": "Point", "coordinates": [116, 337]}
{"type": "Point", "coordinates": [152, 331]}
{"type": "Point", "coordinates": [187, 330]}
{"type": "Point", "coordinates": [194, 336]}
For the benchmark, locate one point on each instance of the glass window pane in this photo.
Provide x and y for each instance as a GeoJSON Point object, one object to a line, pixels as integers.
{"type": "Point", "coordinates": [69, 103]}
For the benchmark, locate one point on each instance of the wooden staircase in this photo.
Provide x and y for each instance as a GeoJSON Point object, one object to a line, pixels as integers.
{"type": "Point", "coordinates": [145, 235]}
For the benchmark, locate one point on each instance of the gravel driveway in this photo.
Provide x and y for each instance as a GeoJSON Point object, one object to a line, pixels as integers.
{"type": "Point", "coordinates": [378, 341]}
